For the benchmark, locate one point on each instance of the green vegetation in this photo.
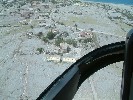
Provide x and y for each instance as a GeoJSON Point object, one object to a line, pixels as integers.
{"type": "Point", "coordinates": [22, 3]}
{"type": "Point", "coordinates": [125, 13]}
{"type": "Point", "coordinates": [58, 41]}
{"type": "Point", "coordinates": [47, 15]}
{"type": "Point", "coordinates": [128, 15]}
{"type": "Point", "coordinates": [40, 34]}
{"type": "Point", "coordinates": [87, 40]}
{"type": "Point", "coordinates": [68, 41]}
{"type": "Point", "coordinates": [45, 39]}
{"type": "Point", "coordinates": [32, 27]}
{"type": "Point", "coordinates": [54, 1]}
{"type": "Point", "coordinates": [50, 35]}
{"type": "Point", "coordinates": [43, 0]}
{"type": "Point", "coordinates": [40, 50]}
{"type": "Point", "coordinates": [106, 7]}
{"type": "Point", "coordinates": [76, 1]}
{"type": "Point", "coordinates": [61, 23]}
{"type": "Point", "coordinates": [71, 42]}
{"type": "Point", "coordinates": [117, 17]}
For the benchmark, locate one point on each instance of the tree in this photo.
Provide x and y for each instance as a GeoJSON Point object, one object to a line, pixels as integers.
{"type": "Point", "coordinates": [91, 29]}
{"type": "Point", "coordinates": [68, 49]}
{"type": "Point", "coordinates": [76, 26]}
{"type": "Point", "coordinates": [53, 1]}
{"type": "Point", "coordinates": [40, 34]}
{"type": "Point", "coordinates": [58, 41]}
{"type": "Point", "coordinates": [45, 39]}
{"type": "Point", "coordinates": [50, 35]}
{"type": "Point", "coordinates": [43, 0]}
{"type": "Point", "coordinates": [40, 50]}
{"type": "Point", "coordinates": [71, 42]}
{"type": "Point", "coordinates": [88, 40]}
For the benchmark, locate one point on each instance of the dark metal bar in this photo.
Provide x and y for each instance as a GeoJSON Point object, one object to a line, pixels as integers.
{"type": "Point", "coordinates": [127, 81]}
{"type": "Point", "coordinates": [66, 85]}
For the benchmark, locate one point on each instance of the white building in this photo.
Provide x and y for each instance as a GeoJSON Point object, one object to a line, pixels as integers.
{"type": "Point", "coordinates": [54, 58]}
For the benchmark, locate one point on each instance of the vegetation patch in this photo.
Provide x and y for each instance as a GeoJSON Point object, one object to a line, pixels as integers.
{"type": "Point", "coordinates": [45, 39]}
{"type": "Point", "coordinates": [58, 41]}
{"type": "Point", "coordinates": [40, 34]}
{"type": "Point", "coordinates": [50, 35]}
{"type": "Point", "coordinates": [71, 42]}
{"type": "Point", "coordinates": [40, 50]}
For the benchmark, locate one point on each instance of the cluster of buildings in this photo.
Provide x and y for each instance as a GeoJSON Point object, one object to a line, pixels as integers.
{"type": "Point", "coordinates": [63, 56]}
{"type": "Point", "coordinates": [61, 59]}
{"type": "Point", "coordinates": [86, 34]}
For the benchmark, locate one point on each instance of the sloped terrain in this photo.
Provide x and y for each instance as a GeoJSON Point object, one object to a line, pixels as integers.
{"type": "Point", "coordinates": [25, 42]}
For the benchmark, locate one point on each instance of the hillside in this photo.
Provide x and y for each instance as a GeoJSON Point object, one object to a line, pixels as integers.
{"type": "Point", "coordinates": [33, 31]}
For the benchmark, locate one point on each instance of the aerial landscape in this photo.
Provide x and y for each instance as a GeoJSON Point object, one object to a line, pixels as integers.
{"type": "Point", "coordinates": [39, 39]}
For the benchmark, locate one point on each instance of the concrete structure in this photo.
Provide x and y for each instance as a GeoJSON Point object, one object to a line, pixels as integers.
{"type": "Point", "coordinates": [87, 34]}
{"type": "Point", "coordinates": [64, 47]}
{"type": "Point", "coordinates": [58, 58]}
{"type": "Point", "coordinates": [69, 59]}
{"type": "Point", "coordinates": [54, 58]}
